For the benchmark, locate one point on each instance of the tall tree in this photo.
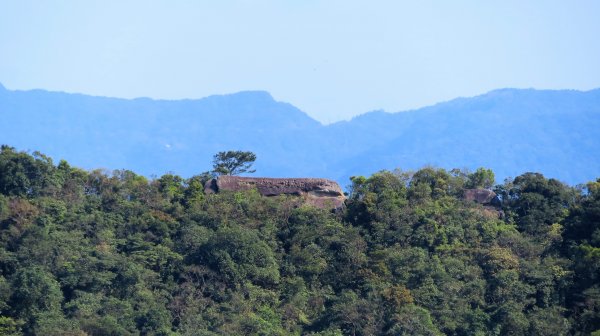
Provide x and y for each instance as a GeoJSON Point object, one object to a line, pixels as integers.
{"type": "Point", "coordinates": [233, 163]}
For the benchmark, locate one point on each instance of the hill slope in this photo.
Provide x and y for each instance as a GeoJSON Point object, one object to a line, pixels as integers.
{"type": "Point", "coordinates": [86, 253]}
{"type": "Point", "coordinates": [509, 130]}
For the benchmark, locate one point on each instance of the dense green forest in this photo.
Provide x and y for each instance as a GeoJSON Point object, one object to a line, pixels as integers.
{"type": "Point", "coordinates": [98, 253]}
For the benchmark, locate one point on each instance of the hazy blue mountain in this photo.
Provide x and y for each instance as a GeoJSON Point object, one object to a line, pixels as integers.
{"type": "Point", "coordinates": [153, 136]}
{"type": "Point", "coordinates": [509, 130]}
{"type": "Point", "coordinates": [512, 131]}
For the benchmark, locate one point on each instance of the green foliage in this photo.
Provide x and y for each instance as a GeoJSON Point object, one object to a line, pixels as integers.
{"type": "Point", "coordinates": [430, 183]}
{"type": "Point", "coordinates": [481, 178]}
{"type": "Point", "coordinates": [412, 320]}
{"type": "Point", "coordinates": [35, 291]}
{"type": "Point", "coordinates": [97, 253]}
{"type": "Point", "coordinates": [233, 162]}
{"type": "Point", "coordinates": [239, 255]}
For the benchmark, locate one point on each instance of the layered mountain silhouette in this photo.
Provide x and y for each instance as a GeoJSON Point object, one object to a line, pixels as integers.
{"type": "Point", "coordinates": [510, 130]}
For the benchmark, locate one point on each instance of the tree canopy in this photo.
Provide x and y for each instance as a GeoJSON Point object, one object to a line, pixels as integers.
{"type": "Point", "coordinates": [99, 253]}
{"type": "Point", "coordinates": [233, 163]}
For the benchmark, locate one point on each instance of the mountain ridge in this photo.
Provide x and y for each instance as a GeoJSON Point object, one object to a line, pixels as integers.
{"type": "Point", "coordinates": [508, 130]}
{"type": "Point", "coordinates": [268, 96]}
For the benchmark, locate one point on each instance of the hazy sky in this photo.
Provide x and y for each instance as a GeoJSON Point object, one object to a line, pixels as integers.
{"type": "Point", "coordinates": [332, 59]}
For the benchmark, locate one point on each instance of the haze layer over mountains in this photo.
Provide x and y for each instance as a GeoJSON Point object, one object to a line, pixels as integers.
{"type": "Point", "coordinates": [510, 131]}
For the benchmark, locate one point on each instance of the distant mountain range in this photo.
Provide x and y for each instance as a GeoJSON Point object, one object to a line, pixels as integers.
{"type": "Point", "coordinates": [511, 131]}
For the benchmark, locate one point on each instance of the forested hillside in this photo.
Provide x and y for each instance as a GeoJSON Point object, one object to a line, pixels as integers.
{"type": "Point", "coordinates": [98, 253]}
{"type": "Point", "coordinates": [510, 131]}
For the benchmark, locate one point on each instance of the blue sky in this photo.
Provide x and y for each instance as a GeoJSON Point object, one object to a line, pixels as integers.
{"type": "Point", "coordinates": [332, 59]}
